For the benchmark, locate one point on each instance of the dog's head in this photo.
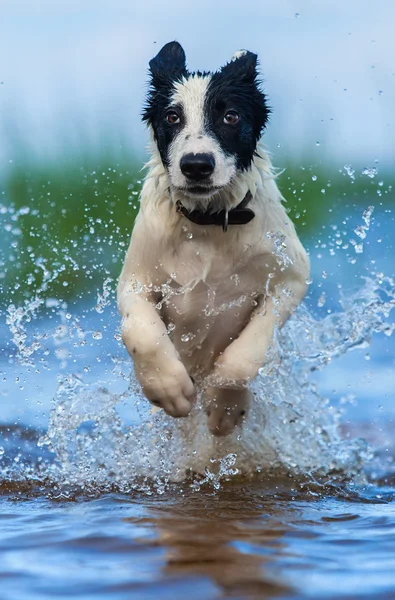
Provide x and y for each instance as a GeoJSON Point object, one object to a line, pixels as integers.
{"type": "Point", "coordinates": [206, 125]}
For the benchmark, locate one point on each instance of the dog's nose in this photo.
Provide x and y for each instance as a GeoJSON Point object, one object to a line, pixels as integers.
{"type": "Point", "coordinates": [197, 166]}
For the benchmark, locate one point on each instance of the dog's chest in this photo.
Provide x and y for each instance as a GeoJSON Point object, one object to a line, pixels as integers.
{"type": "Point", "coordinates": [209, 295]}
{"type": "Point", "coordinates": [207, 278]}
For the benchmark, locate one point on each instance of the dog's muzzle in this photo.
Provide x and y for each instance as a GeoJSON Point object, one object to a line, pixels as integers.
{"type": "Point", "coordinates": [197, 167]}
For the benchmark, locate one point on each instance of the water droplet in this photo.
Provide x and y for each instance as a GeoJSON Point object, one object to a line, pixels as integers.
{"type": "Point", "coordinates": [369, 172]}
{"type": "Point", "coordinates": [321, 300]}
{"type": "Point", "coordinates": [186, 337]}
{"type": "Point", "coordinates": [350, 172]}
{"type": "Point", "coordinates": [360, 231]}
{"type": "Point", "coordinates": [235, 278]}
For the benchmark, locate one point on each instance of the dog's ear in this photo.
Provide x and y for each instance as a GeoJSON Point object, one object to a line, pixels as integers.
{"type": "Point", "coordinates": [169, 63]}
{"type": "Point", "coordinates": [243, 64]}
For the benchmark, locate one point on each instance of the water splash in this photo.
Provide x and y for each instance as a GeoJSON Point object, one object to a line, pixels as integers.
{"type": "Point", "coordinates": [362, 230]}
{"type": "Point", "coordinates": [350, 172]}
{"type": "Point", "coordinates": [291, 428]}
{"type": "Point", "coordinates": [370, 172]}
{"type": "Point", "coordinates": [17, 319]}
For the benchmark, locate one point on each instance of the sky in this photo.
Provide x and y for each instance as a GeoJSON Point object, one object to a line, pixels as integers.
{"type": "Point", "coordinates": [73, 74]}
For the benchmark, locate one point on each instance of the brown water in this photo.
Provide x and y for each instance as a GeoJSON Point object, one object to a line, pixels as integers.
{"type": "Point", "coordinates": [273, 539]}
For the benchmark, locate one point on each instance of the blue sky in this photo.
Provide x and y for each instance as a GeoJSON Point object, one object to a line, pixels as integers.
{"type": "Point", "coordinates": [73, 73]}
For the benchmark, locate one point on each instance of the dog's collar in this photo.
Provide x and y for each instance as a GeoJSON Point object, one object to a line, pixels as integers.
{"type": "Point", "coordinates": [240, 215]}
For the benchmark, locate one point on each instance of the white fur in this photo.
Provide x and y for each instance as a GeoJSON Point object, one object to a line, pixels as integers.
{"type": "Point", "coordinates": [239, 54]}
{"type": "Point", "coordinates": [199, 302]}
{"type": "Point", "coordinates": [194, 137]}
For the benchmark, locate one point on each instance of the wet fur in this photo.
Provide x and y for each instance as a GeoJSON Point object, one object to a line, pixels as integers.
{"type": "Point", "coordinates": [197, 302]}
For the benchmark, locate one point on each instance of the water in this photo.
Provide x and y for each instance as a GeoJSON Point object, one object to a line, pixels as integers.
{"type": "Point", "coordinates": [255, 541]}
{"type": "Point", "coordinates": [103, 497]}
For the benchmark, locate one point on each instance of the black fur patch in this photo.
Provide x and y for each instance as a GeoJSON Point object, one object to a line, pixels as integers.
{"type": "Point", "coordinates": [166, 68]}
{"type": "Point", "coordinates": [236, 87]}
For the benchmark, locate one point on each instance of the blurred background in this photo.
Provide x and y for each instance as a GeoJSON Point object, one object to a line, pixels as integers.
{"type": "Point", "coordinates": [72, 83]}
{"type": "Point", "coordinates": [73, 74]}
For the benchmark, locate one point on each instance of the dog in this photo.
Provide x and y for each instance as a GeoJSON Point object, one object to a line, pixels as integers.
{"type": "Point", "coordinates": [214, 264]}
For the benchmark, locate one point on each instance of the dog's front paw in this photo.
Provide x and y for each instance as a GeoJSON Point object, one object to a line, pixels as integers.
{"type": "Point", "coordinates": [167, 386]}
{"type": "Point", "coordinates": [231, 374]}
{"type": "Point", "coordinates": [226, 409]}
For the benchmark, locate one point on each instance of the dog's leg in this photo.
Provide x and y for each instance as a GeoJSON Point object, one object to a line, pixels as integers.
{"type": "Point", "coordinates": [226, 408]}
{"type": "Point", "coordinates": [161, 374]}
{"type": "Point", "coordinates": [241, 360]}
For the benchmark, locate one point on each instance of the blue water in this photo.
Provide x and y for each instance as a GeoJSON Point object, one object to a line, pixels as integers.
{"type": "Point", "coordinates": [80, 518]}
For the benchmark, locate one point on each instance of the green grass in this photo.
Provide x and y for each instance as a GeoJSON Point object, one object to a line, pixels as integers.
{"type": "Point", "coordinates": [65, 227]}
{"type": "Point", "coordinates": [69, 228]}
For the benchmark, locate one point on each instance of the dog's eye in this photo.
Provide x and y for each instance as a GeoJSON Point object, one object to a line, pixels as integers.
{"type": "Point", "coordinates": [231, 117]}
{"type": "Point", "coordinates": [172, 117]}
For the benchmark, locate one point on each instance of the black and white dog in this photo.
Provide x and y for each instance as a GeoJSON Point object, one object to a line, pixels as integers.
{"type": "Point", "coordinates": [214, 263]}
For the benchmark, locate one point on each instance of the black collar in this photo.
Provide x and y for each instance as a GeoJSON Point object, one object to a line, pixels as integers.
{"type": "Point", "coordinates": [236, 216]}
